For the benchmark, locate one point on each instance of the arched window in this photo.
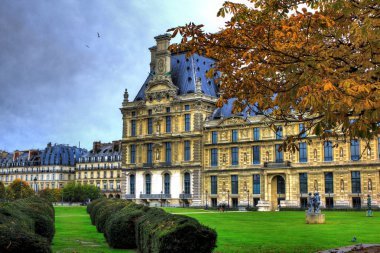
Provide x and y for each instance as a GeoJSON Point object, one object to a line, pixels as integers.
{"type": "Point", "coordinates": [132, 184]}
{"type": "Point", "coordinates": [147, 183]}
{"type": "Point", "coordinates": [187, 183]}
{"type": "Point", "coordinates": [167, 183]}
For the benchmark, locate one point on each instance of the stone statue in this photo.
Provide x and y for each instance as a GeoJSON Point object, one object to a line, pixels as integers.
{"type": "Point", "coordinates": [313, 203]}
{"type": "Point", "coordinates": [313, 215]}
{"type": "Point", "coordinates": [310, 200]}
{"type": "Point", "coordinates": [369, 185]}
{"type": "Point", "coordinates": [369, 206]}
{"type": "Point", "coordinates": [317, 202]}
{"type": "Point", "coordinates": [126, 95]}
{"type": "Point", "coordinates": [157, 154]}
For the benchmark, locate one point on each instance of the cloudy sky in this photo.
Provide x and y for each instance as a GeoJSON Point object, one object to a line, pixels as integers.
{"type": "Point", "coordinates": [60, 83]}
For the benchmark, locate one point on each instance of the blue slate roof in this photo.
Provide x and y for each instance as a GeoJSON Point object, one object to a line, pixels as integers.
{"type": "Point", "coordinates": [184, 72]}
{"type": "Point", "coordinates": [57, 154]}
{"type": "Point", "coordinates": [226, 111]}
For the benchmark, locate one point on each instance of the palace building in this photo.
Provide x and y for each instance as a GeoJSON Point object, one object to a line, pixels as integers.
{"type": "Point", "coordinates": [52, 167]}
{"type": "Point", "coordinates": [179, 149]}
{"type": "Point", "coordinates": [101, 167]}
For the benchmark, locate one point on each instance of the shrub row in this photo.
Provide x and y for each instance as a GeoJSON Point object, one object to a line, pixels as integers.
{"type": "Point", "coordinates": [26, 225]}
{"type": "Point", "coordinates": [128, 225]}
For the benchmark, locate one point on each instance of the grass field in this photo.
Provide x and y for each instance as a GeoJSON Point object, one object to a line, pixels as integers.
{"type": "Point", "coordinates": [237, 232]}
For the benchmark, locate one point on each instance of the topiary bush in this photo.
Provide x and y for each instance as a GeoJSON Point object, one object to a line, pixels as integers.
{"type": "Point", "coordinates": [41, 212]}
{"type": "Point", "coordinates": [163, 232]}
{"type": "Point", "coordinates": [120, 228]}
{"type": "Point", "coordinates": [93, 203]}
{"type": "Point", "coordinates": [26, 226]}
{"type": "Point", "coordinates": [106, 211]}
{"type": "Point", "coordinates": [15, 239]}
{"type": "Point", "coordinates": [95, 209]}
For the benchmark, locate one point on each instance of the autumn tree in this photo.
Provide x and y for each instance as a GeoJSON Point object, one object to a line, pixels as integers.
{"type": "Point", "coordinates": [2, 191]}
{"type": "Point", "coordinates": [318, 65]}
{"type": "Point", "coordinates": [19, 189]}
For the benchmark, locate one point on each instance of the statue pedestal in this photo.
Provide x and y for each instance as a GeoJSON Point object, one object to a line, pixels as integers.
{"type": "Point", "coordinates": [263, 206]}
{"type": "Point", "coordinates": [315, 218]}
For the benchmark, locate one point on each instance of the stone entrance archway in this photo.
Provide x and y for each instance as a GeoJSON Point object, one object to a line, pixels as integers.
{"type": "Point", "coordinates": [277, 190]}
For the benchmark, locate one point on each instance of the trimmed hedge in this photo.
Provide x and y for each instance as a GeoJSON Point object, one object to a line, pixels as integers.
{"type": "Point", "coordinates": [120, 228]}
{"type": "Point", "coordinates": [26, 225]}
{"type": "Point", "coordinates": [95, 208]}
{"type": "Point", "coordinates": [128, 225]}
{"type": "Point", "coordinates": [15, 239]}
{"type": "Point", "coordinates": [42, 214]}
{"type": "Point", "coordinates": [106, 211]}
{"type": "Point", "coordinates": [92, 204]}
{"type": "Point", "coordinates": [157, 232]}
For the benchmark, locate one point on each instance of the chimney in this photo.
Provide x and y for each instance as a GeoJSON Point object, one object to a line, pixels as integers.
{"type": "Point", "coordinates": [152, 57]}
{"type": "Point", "coordinates": [32, 153]}
{"type": "Point", "coordinates": [96, 147]}
{"type": "Point", "coordinates": [116, 146]}
{"type": "Point", "coordinates": [162, 55]}
{"type": "Point", "coordinates": [16, 154]}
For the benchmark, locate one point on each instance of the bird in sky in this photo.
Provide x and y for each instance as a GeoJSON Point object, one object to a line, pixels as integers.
{"type": "Point", "coordinates": [98, 35]}
{"type": "Point", "coordinates": [87, 46]}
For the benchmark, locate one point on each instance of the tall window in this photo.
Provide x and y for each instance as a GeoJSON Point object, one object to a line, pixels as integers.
{"type": "Point", "coordinates": [187, 150]}
{"type": "Point", "coordinates": [303, 152]}
{"type": "Point", "coordinates": [167, 183]}
{"type": "Point", "coordinates": [256, 154]}
{"type": "Point", "coordinates": [329, 182]}
{"type": "Point", "coordinates": [133, 127]}
{"type": "Point", "coordinates": [378, 146]}
{"type": "Point", "coordinates": [150, 125]}
{"type": "Point", "coordinates": [279, 133]}
{"type": "Point", "coordinates": [147, 183]}
{"type": "Point", "coordinates": [256, 184]}
{"type": "Point", "coordinates": [214, 185]}
{"type": "Point", "coordinates": [303, 182]}
{"type": "Point", "coordinates": [280, 185]}
{"type": "Point", "coordinates": [132, 182]}
{"type": "Point", "coordinates": [256, 134]}
{"type": "Point", "coordinates": [328, 151]}
{"type": "Point", "coordinates": [168, 124]}
{"type": "Point", "coordinates": [187, 122]}
{"type": "Point", "coordinates": [355, 181]}
{"type": "Point", "coordinates": [279, 154]}
{"type": "Point", "coordinates": [187, 107]}
{"type": "Point", "coordinates": [214, 137]}
{"type": "Point", "coordinates": [149, 153]}
{"type": "Point", "coordinates": [234, 135]}
{"type": "Point", "coordinates": [168, 152]}
{"type": "Point", "coordinates": [234, 184]}
{"type": "Point", "coordinates": [214, 157]}
{"type": "Point", "coordinates": [133, 153]}
{"type": "Point", "coordinates": [235, 156]}
{"type": "Point", "coordinates": [355, 153]}
{"type": "Point", "coordinates": [302, 130]}
{"type": "Point", "coordinates": [187, 183]}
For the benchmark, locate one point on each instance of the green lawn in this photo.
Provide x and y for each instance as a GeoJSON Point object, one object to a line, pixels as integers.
{"type": "Point", "coordinates": [74, 233]}
{"type": "Point", "coordinates": [237, 232]}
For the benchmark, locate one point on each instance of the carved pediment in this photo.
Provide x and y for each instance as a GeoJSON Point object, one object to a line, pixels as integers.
{"type": "Point", "coordinates": [161, 88]}
{"type": "Point", "coordinates": [233, 121]}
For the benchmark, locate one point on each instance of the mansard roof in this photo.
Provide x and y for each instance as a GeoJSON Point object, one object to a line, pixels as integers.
{"type": "Point", "coordinates": [185, 71]}
{"type": "Point", "coordinates": [57, 154]}
{"type": "Point", "coordinates": [106, 149]}
{"type": "Point", "coordinates": [226, 111]}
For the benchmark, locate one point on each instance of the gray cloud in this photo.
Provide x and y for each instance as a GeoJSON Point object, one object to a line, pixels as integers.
{"type": "Point", "coordinates": [55, 88]}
